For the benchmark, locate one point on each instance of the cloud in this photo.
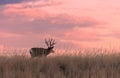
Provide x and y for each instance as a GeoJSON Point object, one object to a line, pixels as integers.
{"type": "Point", "coordinates": [83, 34]}
{"type": "Point", "coordinates": [34, 28]}
{"type": "Point", "coordinates": [4, 2]}
{"type": "Point", "coordinates": [29, 3]}
{"type": "Point", "coordinates": [27, 21]}
{"type": "Point", "coordinates": [40, 17]}
{"type": "Point", "coordinates": [48, 24]}
{"type": "Point", "coordinates": [29, 25]}
{"type": "Point", "coordinates": [115, 34]}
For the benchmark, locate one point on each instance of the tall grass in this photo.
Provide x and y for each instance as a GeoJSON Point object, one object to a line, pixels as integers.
{"type": "Point", "coordinates": [98, 66]}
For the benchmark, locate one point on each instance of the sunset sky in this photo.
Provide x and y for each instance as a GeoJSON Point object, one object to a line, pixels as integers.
{"type": "Point", "coordinates": [72, 23]}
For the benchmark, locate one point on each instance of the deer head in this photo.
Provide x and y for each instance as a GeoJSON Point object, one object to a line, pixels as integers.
{"type": "Point", "coordinates": [50, 44]}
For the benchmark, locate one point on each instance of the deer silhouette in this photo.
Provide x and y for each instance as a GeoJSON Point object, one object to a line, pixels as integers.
{"type": "Point", "coordinates": [38, 52]}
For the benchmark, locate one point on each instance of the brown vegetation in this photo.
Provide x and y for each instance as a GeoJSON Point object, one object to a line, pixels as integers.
{"type": "Point", "coordinates": [107, 66]}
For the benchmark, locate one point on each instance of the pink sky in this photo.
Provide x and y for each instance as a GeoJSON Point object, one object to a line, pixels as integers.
{"type": "Point", "coordinates": [76, 23]}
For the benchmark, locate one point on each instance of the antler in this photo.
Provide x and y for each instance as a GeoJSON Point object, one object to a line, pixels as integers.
{"type": "Point", "coordinates": [50, 42]}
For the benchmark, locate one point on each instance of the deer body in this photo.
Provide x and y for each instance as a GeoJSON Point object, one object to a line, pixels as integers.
{"type": "Point", "coordinates": [38, 52]}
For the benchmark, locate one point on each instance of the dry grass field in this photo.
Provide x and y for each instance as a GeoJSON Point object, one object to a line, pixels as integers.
{"type": "Point", "coordinates": [98, 66]}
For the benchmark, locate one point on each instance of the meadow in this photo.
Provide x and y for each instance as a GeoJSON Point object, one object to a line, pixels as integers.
{"type": "Point", "coordinates": [63, 66]}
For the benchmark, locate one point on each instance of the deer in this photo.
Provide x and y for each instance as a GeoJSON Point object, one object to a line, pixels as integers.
{"type": "Point", "coordinates": [38, 52]}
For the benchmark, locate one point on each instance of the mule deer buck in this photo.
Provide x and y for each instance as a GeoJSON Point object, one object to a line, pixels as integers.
{"type": "Point", "coordinates": [38, 52]}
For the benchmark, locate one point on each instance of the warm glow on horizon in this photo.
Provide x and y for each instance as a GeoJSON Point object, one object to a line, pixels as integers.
{"type": "Point", "coordinates": [76, 23]}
